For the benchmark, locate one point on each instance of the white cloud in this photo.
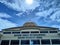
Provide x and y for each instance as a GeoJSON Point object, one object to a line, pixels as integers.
{"type": "Point", "coordinates": [44, 13]}
{"type": "Point", "coordinates": [15, 5]}
{"type": "Point", "coordinates": [6, 24]}
{"type": "Point", "coordinates": [56, 16]}
{"type": "Point", "coordinates": [4, 15]}
{"type": "Point", "coordinates": [20, 5]}
{"type": "Point", "coordinates": [19, 14]}
{"type": "Point", "coordinates": [56, 26]}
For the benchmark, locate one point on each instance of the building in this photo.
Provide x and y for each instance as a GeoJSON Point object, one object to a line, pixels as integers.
{"type": "Point", "coordinates": [30, 34]}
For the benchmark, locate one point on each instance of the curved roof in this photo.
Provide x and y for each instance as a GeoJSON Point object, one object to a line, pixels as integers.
{"type": "Point", "coordinates": [30, 24]}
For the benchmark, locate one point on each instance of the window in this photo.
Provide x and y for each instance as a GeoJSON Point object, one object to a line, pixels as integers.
{"type": "Point", "coordinates": [45, 41]}
{"type": "Point", "coordinates": [24, 41]}
{"type": "Point", "coordinates": [55, 41]}
{"type": "Point", "coordinates": [43, 31]}
{"type": "Point", "coordinates": [5, 42]}
{"type": "Point", "coordinates": [15, 32]}
{"type": "Point", "coordinates": [25, 32]}
{"type": "Point", "coordinates": [53, 31]}
{"type": "Point", "coordinates": [6, 32]}
{"type": "Point", "coordinates": [14, 42]}
{"type": "Point", "coordinates": [34, 31]}
{"type": "Point", "coordinates": [35, 41]}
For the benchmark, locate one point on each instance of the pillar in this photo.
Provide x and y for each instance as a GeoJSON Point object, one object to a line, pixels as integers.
{"type": "Point", "coordinates": [9, 42]}
{"type": "Point", "coordinates": [50, 42]}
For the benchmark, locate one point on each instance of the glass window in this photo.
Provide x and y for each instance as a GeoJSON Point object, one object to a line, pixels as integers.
{"type": "Point", "coordinates": [43, 31]}
{"type": "Point", "coordinates": [55, 41]}
{"type": "Point", "coordinates": [25, 32]}
{"type": "Point", "coordinates": [45, 41]}
{"type": "Point", "coordinates": [15, 32]}
{"type": "Point", "coordinates": [34, 31]}
{"type": "Point", "coordinates": [14, 42]}
{"type": "Point", "coordinates": [53, 31]}
{"type": "Point", "coordinates": [35, 41]}
{"type": "Point", "coordinates": [24, 41]}
{"type": "Point", "coordinates": [5, 42]}
{"type": "Point", "coordinates": [6, 32]}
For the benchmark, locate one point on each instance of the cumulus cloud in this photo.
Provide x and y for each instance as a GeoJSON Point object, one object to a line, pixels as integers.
{"type": "Point", "coordinates": [56, 26]}
{"type": "Point", "coordinates": [5, 15]}
{"type": "Point", "coordinates": [44, 10]}
{"type": "Point", "coordinates": [19, 4]}
{"type": "Point", "coordinates": [14, 5]}
{"type": "Point", "coordinates": [6, 24]}
{"type": "Point", "coordinates": [56, 16]}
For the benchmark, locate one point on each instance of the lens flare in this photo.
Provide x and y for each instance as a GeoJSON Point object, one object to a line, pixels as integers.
{"type": "Point", "coordinates": [29, 2]}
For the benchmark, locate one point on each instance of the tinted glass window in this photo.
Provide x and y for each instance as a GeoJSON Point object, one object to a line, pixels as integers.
{"type": "Point", "coordinates": [55, 41]}
{"type": "Point", "coordinates": [43, 31]}
{"type": "Point", "coordinates": [24, 41]}
{"type": "Point", "coordinates": [53, 31]}
{"type": "Point", "coordinates": [14, 42]}
{"type": "Point", "coordinates": [35, 41]}
{"type": "Point", "coordinates": [45, 41]}
{"type": "Point", "coordinates": [25, 32]}
{"type": "Point", "coordinates": [15, 32]}
{"type": "Point", "coordinates": [34, 32]}
{"type": "Point", "coordinates": [6, 32]}
{"type": "Point", "coordinates": [5, 42]}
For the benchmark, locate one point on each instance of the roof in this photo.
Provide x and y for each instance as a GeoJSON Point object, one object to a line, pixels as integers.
{"type": "Point", "coordinates": [30, 25]}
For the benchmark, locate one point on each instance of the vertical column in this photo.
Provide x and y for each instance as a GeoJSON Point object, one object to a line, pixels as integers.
{"type": "Point", "coordinates": [19, 42]}
{"type": "Point", "coordinates": [40, 41]}
{"type": "Point", "coordinates": [48, 31]}
{"type": "Point", "coordinates": [50, 42]}
{"type": "Point", "coordinates": [9, 42]}
{"type": "Point", "coordinates": [31, 42]}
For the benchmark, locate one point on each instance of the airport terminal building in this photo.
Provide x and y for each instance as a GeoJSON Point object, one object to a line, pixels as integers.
{"type": "Point", "coordinates": [30, 34]}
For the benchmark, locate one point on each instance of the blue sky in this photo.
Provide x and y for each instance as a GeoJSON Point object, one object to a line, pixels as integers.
{"type": "Point", "coordinates": [14, 13]}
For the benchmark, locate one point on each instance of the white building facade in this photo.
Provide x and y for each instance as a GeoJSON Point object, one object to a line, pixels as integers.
{"type": "Point", "coordinates": [30, 34]}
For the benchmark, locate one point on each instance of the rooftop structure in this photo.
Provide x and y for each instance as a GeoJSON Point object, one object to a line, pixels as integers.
{"type": "Point", "coordinates": [30, 34]}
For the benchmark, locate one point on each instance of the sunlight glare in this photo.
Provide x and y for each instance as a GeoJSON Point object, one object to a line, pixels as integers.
{"type": "Point", "coordinates": [29, 2]}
